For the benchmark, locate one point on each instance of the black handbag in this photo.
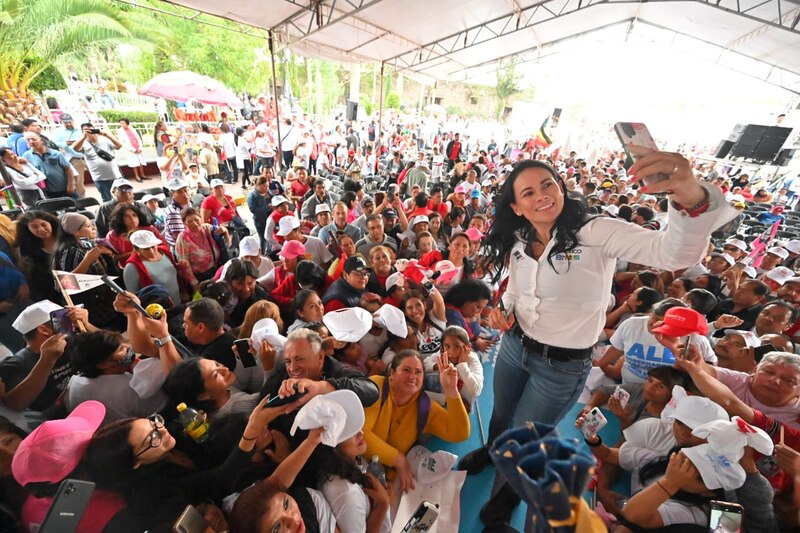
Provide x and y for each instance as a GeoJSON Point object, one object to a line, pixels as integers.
{"type": "Point", "coordinates": [102, 154]}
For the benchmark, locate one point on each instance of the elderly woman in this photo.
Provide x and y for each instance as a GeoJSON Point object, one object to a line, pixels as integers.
{"type": "Point", "coordinates": [28, 181]}
{"type": "Point", "coordinates": [198, 245]}
{"type": "Point", "coordinates": [79, 253]}
{"type": "Point", "coordinates": [153, 264]}
{"type": "Point", "coordinates": [404, 413]}
{"type": "Point", "coordinates": [37, 239]}
{"type": "Point", "coordinates": [218, 205]}
{"type": "Point", "coordinates": [123, 221]}
{"type": "Point", "coordinates": [102, 364]}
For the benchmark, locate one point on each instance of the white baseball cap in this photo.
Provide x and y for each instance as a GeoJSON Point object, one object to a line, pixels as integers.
{"type": "Point", "coordinates": [216, 182]}
{"type": "Point", "coordinates": [249, 246]}
{"type": "Point", "coordinates": [278, 200]}
{"type": "Point", "coordinates": [780, 252]}
{"type": "Point", "coordinates": [34, 316]}
{"type": "Point", "coordinates": [419, 218]}
{"type": "Point", "coordinates": [750, 271]}
{"type": "Point", "coordinates": [430, 467]}
{"type": "Point", "coordinates": [740, 244]}
{"type": "Point", "coordinates": [322, 208]}
{"type": "Point", "coordinates": [144, 239]}
{"type": "Point", "coordinates": [751, 340]}
{"type": "Point", "coordinates": [340, 413]}
{"type": "Point", "coordinates": [780, 274]}
{"type": "Point", "coordinates": [718, 459]}
{"type": "Point", "coordinates": [793, 246]}
{"type": "Point", "coordinates": [727, 257]}
{"type": "Point", "coordinates": [612, 209]}
{"type": "Point", "coordinates": [266, 329]}
{"type": "Point", "coordinates": [176, 184]}
{"type": "Point", "coordinates": [121, 182]}
{"type": "Point", "coordinates": [395, 280]}
{"type": "Point", "coordinates": [287, 225]}
{"type": "Point", "coordinates": [349, 324]}
{"type": "Point", "coordinates": [392, 319]}
{"type": "Point", "coordinates": [693, 411]}
{"type": "Point", "coordinates": [147, 197]}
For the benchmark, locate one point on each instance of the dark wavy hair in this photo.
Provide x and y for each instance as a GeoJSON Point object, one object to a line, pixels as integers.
{"type": "Point", "coordinates": [184, 384]}
{"type": "Point", "coordinates": [116, 219]}
{"type": "Point", "coordinates": [29, 244]}
{"type": "Point", "coordinates": [508, 227]}
{"type": "Point", "coordinates": [88, 350]}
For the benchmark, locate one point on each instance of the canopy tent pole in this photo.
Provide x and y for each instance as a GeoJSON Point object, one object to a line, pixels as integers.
{"type": "Point", "coordinates": [380, 115]}
{"type": "Point", "coordinates": [279, 155]}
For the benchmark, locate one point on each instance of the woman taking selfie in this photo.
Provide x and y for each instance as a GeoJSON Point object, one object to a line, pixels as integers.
{"type": "Point", "coordinates": [561, 263]}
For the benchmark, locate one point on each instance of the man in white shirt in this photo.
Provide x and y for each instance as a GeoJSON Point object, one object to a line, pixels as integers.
{"type": "Point", "coordinates": [316, 251]}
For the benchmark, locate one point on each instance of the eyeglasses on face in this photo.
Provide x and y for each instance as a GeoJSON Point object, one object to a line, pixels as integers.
{"type": "Point", "coordinates": [154, 439]}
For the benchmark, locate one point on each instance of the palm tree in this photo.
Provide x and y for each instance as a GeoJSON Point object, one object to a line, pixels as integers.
{"type": "Point", "coordinates": [35, 34]}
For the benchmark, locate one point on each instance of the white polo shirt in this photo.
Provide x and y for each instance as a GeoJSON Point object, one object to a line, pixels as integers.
{"type": "Point", "coordinates": [566, 306]}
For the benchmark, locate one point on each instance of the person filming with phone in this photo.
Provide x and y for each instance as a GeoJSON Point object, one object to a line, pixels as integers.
{"type": "Point", "coordinates": [560, 262]}
{"type": "Point", "coordinates": [98, 148]}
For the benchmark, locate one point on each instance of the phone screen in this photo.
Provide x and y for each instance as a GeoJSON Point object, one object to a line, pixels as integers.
{"type": "Point", "coordinates": [725, 517]}
{"type": "Point", "coordinates": [60, 323]}
{"type": "Point", "coordinates": [243, 347]}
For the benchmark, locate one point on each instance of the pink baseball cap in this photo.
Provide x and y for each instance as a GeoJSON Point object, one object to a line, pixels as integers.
{"type": "Point", "coordinates": [447, 271]}
{"type": "Point", "coordinates": [55, 448]}
{"type": "Point", "coordinates": [292, 249]}
{"type": "Point", "coordinates": [460, 189]}
{"type": "Point", "coordinates": [474, 234]}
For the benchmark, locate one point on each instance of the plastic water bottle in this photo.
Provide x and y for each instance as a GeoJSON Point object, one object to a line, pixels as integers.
{"type": "Point", "coordinates": [194, 424]}
{"type": "Point", "coordinates": [376, 469]}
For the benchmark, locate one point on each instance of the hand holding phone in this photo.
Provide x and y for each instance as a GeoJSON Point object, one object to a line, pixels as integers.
{"type": "Point", "coordinates": [277, 401]}
{"type": "Point", "coordinates": [243, 351]}
{"type": "Point", "coordinates": [636, 134]}
{"type": "Point", "coordinates": [60, 322]}
{"type": "Point", "coordinates": [593, 422]}
{"type": "Point", "coordinates": [622, 396]}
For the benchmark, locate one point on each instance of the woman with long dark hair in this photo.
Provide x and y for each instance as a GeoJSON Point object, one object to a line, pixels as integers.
{"type": "Point", "coordinates": [560, 263]}
{"type": "Point", "coordinates": [37, 239]}
{"type": "Point", "coordinates": [124, 220]}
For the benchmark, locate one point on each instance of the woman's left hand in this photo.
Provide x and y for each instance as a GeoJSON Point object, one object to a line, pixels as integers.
{"type": "Point", "coordinates": [682, 185]}
{"type": "Point", "coordinates": [448, 376]}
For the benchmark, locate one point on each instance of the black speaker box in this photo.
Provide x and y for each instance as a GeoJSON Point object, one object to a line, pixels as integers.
{"type": "Point", "coordinates": [723, 148]}
{"type": "Point", "coordinates": [352, 110]}
{"type": "Point", "coordinates": [771, 143]}
{"type": "Point", "coordinates": [748, 143]}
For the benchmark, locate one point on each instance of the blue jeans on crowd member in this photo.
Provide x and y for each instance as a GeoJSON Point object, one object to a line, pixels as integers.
{"type": "Point", "coordinates": [104, 187]}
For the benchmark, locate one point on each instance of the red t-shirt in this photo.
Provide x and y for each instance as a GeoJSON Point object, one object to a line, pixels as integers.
{"type": "Point", "coordinates": [222, 213]}
{"type": "Point", "coordinates": [299, 190]}
{"type": "Point", "coordinates": [277, 216]}
{"type": "Point", "coordinates": [791, 438]}
{"type": "Point", "coordinates": [440, 208]}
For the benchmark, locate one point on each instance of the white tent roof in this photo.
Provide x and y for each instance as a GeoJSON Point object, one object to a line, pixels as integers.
{"type": "Point", "coordinates": [456, 39]}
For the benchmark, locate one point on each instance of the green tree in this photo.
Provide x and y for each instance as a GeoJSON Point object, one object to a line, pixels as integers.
{"type": "Point", "coordinates": [393, 101]}
{"type": "Point", "coordinates": [35, 34]}
{"type": "Point", "coordinates": [508, 83]}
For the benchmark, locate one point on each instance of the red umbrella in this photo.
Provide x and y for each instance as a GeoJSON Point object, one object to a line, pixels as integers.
{"type": "Point", "coordinates": [184, 86]}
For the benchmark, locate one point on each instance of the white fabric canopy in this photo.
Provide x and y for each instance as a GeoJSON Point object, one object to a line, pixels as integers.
{"type": "Point", "coordinates": [450, 39]}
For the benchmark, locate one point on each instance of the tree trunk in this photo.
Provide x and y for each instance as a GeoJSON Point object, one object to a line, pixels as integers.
{"type": "Point", "coordinates": [18, 104]}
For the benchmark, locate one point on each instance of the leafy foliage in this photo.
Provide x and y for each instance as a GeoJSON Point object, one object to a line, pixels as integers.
{"type": "Point", "coordinates": [49, 80]}
{"type": "Point", "coordinates": [113, 116]}
{"type": "Point", "coordinates": [393, 101]}
{"type": "Point", "coordinates": [508, 83]}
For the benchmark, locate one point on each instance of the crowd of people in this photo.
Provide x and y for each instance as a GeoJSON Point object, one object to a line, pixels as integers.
{"type": "Point", "coordinates": [382, 272]}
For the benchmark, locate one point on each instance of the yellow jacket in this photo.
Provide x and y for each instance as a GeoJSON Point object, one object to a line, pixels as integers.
{"type": "Point", "coordinates": [389, 429]}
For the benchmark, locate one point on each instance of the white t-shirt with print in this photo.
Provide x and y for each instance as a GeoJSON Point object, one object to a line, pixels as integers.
{"type": "Point", "coordinates": [642, 351]}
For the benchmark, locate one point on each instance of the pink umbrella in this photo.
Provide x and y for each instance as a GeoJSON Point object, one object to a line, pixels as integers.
{"type": "Point", "coordinates": [184, 86]}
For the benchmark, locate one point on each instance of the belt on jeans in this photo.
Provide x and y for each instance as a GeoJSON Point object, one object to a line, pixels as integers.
{"type": "Point", "coordinates": [550, 352]}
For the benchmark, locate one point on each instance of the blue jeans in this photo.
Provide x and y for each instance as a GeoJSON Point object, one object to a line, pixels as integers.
{"type": "Point", "coordinates": [104, 187]}
{"type": "Point", "coordinates": [529, 387]}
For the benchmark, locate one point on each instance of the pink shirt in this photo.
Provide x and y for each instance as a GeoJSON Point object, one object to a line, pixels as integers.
{"type": "Point", "coordinates": [739, 383]}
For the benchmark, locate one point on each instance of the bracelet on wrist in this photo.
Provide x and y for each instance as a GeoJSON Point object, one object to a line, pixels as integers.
{"type": "Point", "coordinates": [658, 482]}
{"type": "Point", "coordinates": [248, 438]}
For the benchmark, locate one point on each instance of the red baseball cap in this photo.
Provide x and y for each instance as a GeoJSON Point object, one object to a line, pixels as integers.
{"type": "Point", "coordinates": [682, 321]}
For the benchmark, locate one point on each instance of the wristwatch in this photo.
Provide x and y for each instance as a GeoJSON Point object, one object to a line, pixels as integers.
{"type": "Point", "coordinates": [161, 342]}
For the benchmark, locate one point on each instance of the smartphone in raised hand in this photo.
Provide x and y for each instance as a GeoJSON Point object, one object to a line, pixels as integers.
{"type": "Point", "coordinates": [637, 134]}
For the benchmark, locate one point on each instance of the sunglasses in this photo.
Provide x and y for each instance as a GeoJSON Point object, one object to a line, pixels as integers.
{"type": "Point", "coordinates": [154, 439]}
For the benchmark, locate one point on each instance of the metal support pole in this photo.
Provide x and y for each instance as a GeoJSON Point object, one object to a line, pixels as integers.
{"type": "Point", "coordinates": [279, 155]}
{"type": "Point", "coordinates": [380, 113]}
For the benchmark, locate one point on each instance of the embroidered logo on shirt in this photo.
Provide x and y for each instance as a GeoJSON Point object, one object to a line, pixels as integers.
{"type": "Point", "coordinates": [574, 255]}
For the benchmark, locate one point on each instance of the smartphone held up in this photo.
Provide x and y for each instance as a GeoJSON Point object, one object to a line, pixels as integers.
{"type": "Point", "coordinates": [637, 134]}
